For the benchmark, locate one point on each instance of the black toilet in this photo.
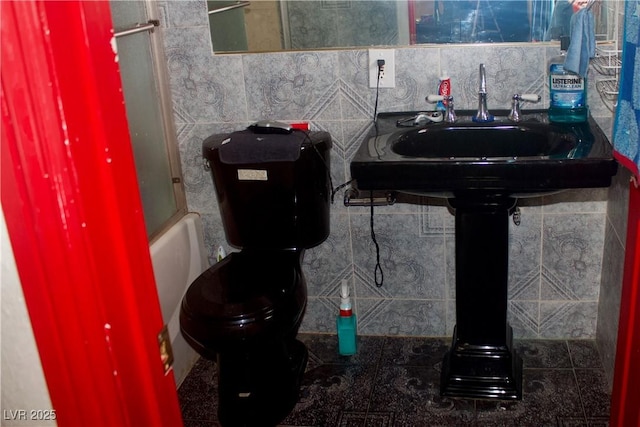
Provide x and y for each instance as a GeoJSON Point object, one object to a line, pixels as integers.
{"type": "Point", "coordinates": [244, 312]}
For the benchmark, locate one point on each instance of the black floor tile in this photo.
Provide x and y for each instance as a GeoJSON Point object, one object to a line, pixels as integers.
{"type": "Point", "coordinates": [414, 351]}
{"type": "Point", "coordinates": [594, 392]}
{"type": "Point", "coordinates": [200, 423]}
{"type": "Point", "coordinates": [323, 349]}
{"type": "Point", "coordinates": [543, 353]}
{"type": "Point", "coordinates": [393, 382]}
{"type": "Point", "coordinates": [548, 397]}
{"type": "Point", "coordinates": [329, 391]}
{"type": "Point", "coordinates": [198, 393]}
{"type": "Point", "coordinates": [410, 396]}
{"type": "Point", "coordinates": [584, 354]}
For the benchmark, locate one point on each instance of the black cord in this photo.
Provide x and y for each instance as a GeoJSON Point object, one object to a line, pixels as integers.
{"type": "Point", "coordinates": [338, 188]}
{"type": "Point", "coordinates": [378, 267]}
{"type": "Point", "coordinates": [333, 190]}
{"type": "Point", "coordinates": [380, 68]}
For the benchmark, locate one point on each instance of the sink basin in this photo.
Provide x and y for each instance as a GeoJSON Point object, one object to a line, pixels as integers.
{"type": "Point", "coordinates": [481, 141]}
{"type": "Point", "coordinates": [517, 159]}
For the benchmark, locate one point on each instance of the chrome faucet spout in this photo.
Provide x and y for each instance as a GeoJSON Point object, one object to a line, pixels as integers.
{"type": "Point", "coordinates": [482, 79]}
{"type": "Point", "coordinates": [483, 114]}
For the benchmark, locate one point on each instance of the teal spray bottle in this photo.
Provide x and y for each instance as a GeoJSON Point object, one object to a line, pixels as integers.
{"type": "Point", "coordinates": [346, 323]}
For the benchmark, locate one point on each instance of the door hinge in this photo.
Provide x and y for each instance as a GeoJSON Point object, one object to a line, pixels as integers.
{"type": "Point", "coordinates": [166, 352]}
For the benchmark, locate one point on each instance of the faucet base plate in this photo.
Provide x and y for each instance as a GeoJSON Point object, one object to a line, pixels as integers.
{"type": "Point", "coordinates": [485, 119]}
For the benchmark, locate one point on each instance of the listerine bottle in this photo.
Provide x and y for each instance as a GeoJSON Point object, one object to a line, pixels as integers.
{"type": "Point", "coordinates": [567, 91]}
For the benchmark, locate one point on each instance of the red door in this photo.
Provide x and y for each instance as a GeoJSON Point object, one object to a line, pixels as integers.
{"type": "Point", "coordinates": [625, 399]}
{"type": "Point", "coordinates": [70, 198]}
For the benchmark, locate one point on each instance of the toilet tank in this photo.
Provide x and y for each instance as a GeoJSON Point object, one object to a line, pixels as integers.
{"type": "Point", "coordinates": [273, 190]}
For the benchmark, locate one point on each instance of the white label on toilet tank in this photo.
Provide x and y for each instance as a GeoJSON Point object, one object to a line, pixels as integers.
{"type": "Point", "coordinates": [252, 175]}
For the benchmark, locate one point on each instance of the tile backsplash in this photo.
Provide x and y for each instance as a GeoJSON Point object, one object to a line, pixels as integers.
{"type": "Point", "coordinates": [556, 252]}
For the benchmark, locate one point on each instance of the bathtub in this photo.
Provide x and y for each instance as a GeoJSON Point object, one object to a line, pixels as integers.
{"type": "Point", "coordinates": [178, 257]}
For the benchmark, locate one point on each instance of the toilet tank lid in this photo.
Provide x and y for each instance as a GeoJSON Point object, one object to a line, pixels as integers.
{"type": "Point", "coordinates": [246, 146]}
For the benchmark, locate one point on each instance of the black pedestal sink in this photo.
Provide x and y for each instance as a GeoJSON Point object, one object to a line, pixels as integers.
{"type": "Point", "coordinates": [482, 169]}
{"type": "Point", "coordinates": [529, 157]}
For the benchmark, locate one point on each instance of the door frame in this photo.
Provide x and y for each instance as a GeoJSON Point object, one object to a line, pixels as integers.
{"type": "Point", "coordinates": [73, 212]}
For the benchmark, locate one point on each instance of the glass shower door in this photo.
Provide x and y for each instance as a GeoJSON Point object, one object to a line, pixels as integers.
{"type": "Point", "coordinates": [150, 126]}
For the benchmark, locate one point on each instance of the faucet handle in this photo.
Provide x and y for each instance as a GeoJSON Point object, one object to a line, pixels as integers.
{"type": "Point", "coordinates": [436, 98]}
{"type": "Point", "coordinates": [515, 115]}
{"type": "Point", "coordinates": [450, 114]}
{"type": "Point", "coordinates": [529, 97]}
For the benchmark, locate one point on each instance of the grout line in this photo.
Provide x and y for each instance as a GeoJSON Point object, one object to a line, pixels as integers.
{"type": "Point", "coordinates": [378, 365]}
{"type": "Point", "coordinates": [575, 377]}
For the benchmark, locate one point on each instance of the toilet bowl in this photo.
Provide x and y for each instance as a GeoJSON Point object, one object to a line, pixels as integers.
{"type": "Point", "coordinates": [244, 312]}
{"type": "Point", "coordinates": [246, 296]}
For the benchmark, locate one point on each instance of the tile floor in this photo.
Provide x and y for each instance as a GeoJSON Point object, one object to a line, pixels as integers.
{"type": "Point", "coordinates": [394, 382]}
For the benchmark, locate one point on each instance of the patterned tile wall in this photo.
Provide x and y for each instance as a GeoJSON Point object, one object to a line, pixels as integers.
{"type": "Point", "coordinates": [613, 262]}
{"type": "Point", "coordinates": [556, 252]}
{"type": "Point", "coordinates": [612, 270]}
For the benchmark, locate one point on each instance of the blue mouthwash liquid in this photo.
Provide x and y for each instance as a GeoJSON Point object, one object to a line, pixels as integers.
{"type": "Point", "coordinates": [567, 94]}
{"type": "Point", "coordinates": [567, 97]}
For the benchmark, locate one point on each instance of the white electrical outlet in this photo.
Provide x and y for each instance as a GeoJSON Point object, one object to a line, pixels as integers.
{"type": "Point", "coordinates": [388, 76]}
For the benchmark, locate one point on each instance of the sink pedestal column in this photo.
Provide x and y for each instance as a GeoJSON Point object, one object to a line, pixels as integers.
{"type": "Point", "coordinates": [481, 362]}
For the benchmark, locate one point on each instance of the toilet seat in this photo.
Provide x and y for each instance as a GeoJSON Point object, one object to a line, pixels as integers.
{"type": "Point", "coordinates": [246, 294]}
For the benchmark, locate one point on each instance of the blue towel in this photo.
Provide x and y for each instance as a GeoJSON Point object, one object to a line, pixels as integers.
{"type": "Point", "coordinates": [626, 131]}
{"type": "Point", "coordinates": [583, 42]}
